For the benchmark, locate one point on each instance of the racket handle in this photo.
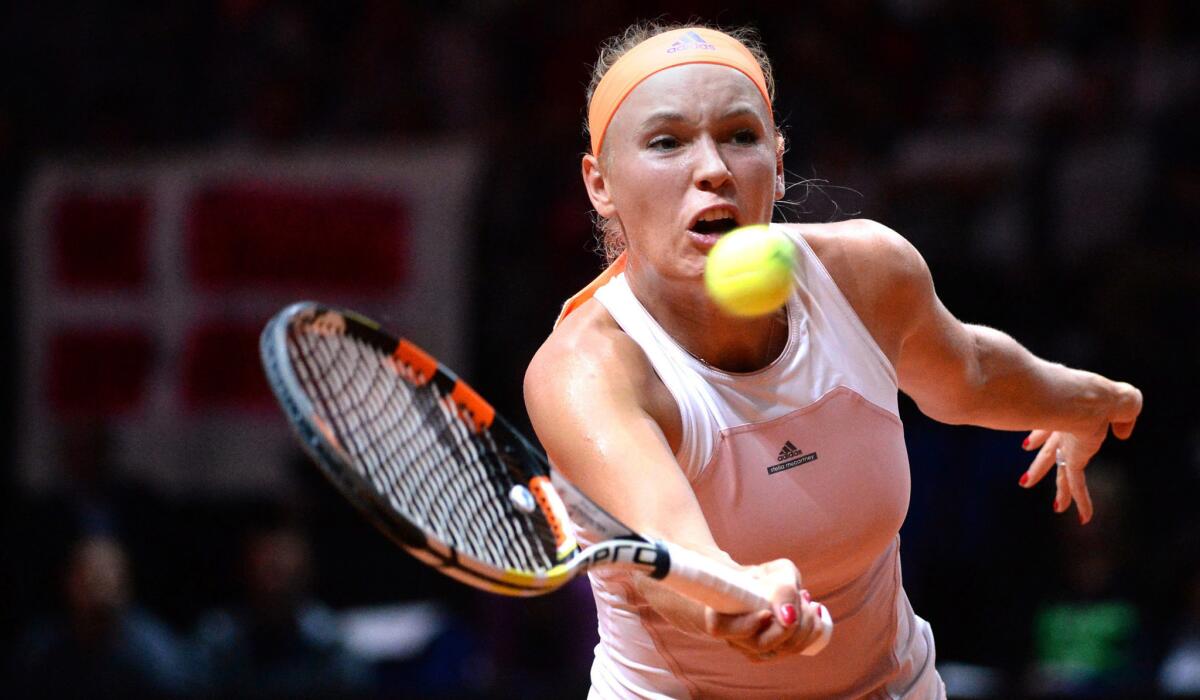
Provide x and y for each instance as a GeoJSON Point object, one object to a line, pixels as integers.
{"type": "Point", "coordinates": [727, 590]}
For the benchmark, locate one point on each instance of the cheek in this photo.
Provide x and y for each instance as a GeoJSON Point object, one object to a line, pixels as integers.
{"type": "Point", "coordinates": [647, 187]}
{"type": "Point", "coordinates": [761, 176]}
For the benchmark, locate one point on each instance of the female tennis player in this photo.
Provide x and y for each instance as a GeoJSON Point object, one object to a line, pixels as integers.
{"type": "Point", "coordinates": [770, 443]}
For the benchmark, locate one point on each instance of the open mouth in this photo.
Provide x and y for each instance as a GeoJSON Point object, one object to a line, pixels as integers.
{"type": "Point", "coordinates": [716, 221]}
{"type": "Point", "coordinates": [715, 226]}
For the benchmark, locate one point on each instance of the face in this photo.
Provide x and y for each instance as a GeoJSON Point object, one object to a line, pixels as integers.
{"type": "Point", "coordinates": [690, 154]}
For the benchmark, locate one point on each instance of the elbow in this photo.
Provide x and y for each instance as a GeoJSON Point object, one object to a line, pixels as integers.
{"type": "Point", "coordinates": [947, 409]}
{"type": "Point", "coordinates": [958, 398]}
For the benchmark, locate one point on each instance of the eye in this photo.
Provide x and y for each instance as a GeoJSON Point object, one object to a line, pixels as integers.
{"type": "Point", "coordinates": [745, 137]}
{"type": "Point", "coordinates": [663, 143]}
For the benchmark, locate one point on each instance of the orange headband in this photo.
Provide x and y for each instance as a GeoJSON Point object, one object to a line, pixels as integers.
{"type": "Point", "coordinates": [662, 51]}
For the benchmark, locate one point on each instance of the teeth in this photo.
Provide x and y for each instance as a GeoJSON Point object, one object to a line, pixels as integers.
{"type": "Point", "coordinates": [717, 214]}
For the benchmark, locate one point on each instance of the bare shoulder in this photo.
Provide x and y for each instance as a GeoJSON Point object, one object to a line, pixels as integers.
{"type": "Point", "coordinates": [587, 363]}
{"type": "Point", "coordinates": [587, 347]}
{"type": "Point", "coordinates": [880, 273]}
{"type": "Point", "coordinates": [862, 244]}
{"type": "Point", "coordinates": [604, 418]}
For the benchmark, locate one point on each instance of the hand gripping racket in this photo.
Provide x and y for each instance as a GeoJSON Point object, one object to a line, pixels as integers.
{"type": "Point", "coordinates": [433, 466]}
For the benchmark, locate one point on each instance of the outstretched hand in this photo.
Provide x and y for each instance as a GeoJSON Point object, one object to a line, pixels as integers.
{"type": "Point", "coordinates": [1071, 451]}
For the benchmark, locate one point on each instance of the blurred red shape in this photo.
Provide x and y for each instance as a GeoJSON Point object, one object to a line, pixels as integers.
{"type": "Point", "coordinates": [253, 235]}
{"type": "Point", "coordinates": [221, 369]}
{"type": "Point", "coordinates": [99, 240]}
{"type": "Point", "coordinates": [98, 371]}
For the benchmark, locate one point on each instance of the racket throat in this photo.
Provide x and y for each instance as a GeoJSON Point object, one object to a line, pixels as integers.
{"type": "Point", "coordinates": [650, 557]}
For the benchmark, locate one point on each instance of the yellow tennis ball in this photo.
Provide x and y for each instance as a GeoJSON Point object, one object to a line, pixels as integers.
{"type": "Point", "coordinates": [749, 270]}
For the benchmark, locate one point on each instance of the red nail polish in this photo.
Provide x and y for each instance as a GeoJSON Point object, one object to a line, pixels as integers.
{"type": "Point", "coordinates": [1025, 443]}
{"type": "Point", "coordinates": [1024, 479]}
{"type": "Point", "coordinates": [787, 614]}
{"type": "Point", "coordinates": [1055, 506]}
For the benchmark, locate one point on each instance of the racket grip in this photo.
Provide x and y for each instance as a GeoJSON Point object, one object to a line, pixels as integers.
{"type": "Point", "coordinates": [728, 590]}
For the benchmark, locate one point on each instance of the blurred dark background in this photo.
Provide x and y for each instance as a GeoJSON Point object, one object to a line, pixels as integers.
{"type": "Point", "coordinates": [1041, 155]}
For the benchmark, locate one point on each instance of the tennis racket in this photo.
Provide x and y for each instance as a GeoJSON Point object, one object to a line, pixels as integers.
{"type": "Point", "coordinates": [432, 465]}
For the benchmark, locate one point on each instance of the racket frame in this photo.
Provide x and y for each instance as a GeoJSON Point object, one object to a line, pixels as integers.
{"type": "Point", "coordinates": [722, 588]}
{"type": "Point", "coordinates": [320, 442]}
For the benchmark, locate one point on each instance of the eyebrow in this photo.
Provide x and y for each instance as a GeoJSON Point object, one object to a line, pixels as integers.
{"type": "Point", "coordinates": [669, 115]}
{"type": "Point", "coordinates": [663, 115]}
{"type": "Point", "coordinates": [740, 111]}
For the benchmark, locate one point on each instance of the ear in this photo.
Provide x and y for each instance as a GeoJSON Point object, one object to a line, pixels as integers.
{"type": "Point", "coordinates": [597, 187]}
{"type": "Point", "coordinates": [780, 182]}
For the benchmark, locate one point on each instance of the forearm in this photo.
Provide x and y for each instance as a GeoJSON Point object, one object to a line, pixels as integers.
{"type": "Point", "coordinates": [1009, 388]}
{"type": "Point", "coordinates": [684, 613]}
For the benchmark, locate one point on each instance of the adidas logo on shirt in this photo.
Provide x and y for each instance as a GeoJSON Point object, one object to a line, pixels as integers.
{"type": "Point", "coordinates": [790, 456]}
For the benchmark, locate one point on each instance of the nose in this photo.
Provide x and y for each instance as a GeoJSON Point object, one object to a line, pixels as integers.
{"type": "Point", "coordinates": [710, 172]}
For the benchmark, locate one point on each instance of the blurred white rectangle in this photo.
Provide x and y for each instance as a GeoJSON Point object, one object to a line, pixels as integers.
{"type": "Point", "coordinates": [391, 633]}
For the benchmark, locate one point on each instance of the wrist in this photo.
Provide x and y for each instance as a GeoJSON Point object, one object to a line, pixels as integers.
{"type": "Point", "coordinates": [1096, 400]}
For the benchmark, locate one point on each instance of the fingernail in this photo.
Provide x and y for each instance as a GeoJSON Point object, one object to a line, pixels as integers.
{"type": "Point", "coordinates": [787, 614]}
{"type": "Point", "coordinates": [1056, 506]}
{"type": "Point", "coordinates": [1025, 443]}
{"type": "Point", "coordinates": [1024, 479]}
{"type": "Point", "coordinates": [806, 596]}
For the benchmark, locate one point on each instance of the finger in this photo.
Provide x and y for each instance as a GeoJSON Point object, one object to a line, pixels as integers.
{"type": "Point", "coordinates": [1035, 440]}
{"type": "Point", "coordinates": [1077, 481]}
{"type": "Point", "coordinates": [1062, 493]}
{"type": "Point", "coordinates": [809, 633]}
{"type": "Point", "coordinates": [1041, 464]}
{"type": "Point", "coordinates": [777, 637]}
{"type": "Point", "coordinates": [731, 627]}
{"type": "Point", "coordinates": [772, 639]}
{"type": "Point", "coordinates": [785, 597]}
{"type": "Point", "coordinates": [786, 614]}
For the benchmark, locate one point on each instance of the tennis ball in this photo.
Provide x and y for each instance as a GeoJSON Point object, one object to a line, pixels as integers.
{"type": "Point", "coordinates": [749, 270]}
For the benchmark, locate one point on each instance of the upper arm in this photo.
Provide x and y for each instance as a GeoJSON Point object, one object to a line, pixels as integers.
{"type": "Point", "coordinates": [935, 356]}
{"type": "Point", "coordinates": [890, 287]}
{"type": "Point", "coordinates": [586, 393]}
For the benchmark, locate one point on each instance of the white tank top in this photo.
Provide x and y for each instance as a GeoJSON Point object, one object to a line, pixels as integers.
{"type": "Point", "coordinates": [803, 459]}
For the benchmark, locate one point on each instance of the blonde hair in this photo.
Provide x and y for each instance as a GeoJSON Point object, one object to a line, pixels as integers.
{"type": "Point", "coordinates": [610, 236]}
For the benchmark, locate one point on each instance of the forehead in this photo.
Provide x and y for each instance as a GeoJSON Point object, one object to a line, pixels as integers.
{"type": "Point", "coordinates": [694, 90]}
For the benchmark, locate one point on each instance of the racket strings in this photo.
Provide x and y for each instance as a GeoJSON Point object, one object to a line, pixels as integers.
{"type": "Point", "coordinates": [475, 494]}
{"type": "Point", "coordinates": [485, 490]}
{"type": "Point", "coordinates": [387, 452]}
{"type": "Point", "coordinates": [536, 529]}
{"type": "Point", "coordinates": [416, 452]}
{"type": "Point", "coordinates": [456, 495]}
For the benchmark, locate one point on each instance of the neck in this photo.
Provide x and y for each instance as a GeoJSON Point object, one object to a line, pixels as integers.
{"type": "Point", "coordinates": [686, 312]}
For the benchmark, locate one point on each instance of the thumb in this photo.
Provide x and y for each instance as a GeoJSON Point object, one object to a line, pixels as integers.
{"type": "Point", "coordinates": [1129, 406]}
{"type": "Point", "coordinates": [1123, 430]}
